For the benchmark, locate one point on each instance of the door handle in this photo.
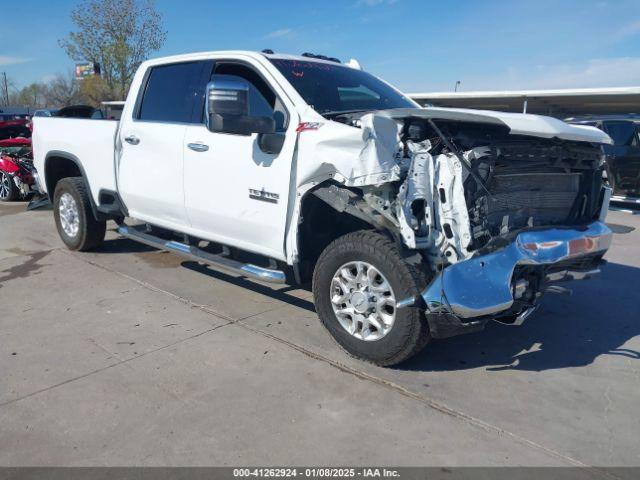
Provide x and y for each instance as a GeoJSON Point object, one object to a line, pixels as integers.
{"type": "Point", "coordinates": [198, 147]}
{"type": "Point", "coordinates": [132, 139]}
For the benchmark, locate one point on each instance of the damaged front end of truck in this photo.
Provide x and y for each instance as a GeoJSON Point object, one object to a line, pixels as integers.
{"type": "Point", "coordinates": [501, 208]}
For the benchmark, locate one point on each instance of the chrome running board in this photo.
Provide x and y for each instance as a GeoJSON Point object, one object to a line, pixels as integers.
{"type": "Point", "coordinates": [199, 255]}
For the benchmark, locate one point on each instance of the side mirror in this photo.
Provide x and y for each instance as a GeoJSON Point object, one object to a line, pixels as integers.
{"type": "Point", "coordinates": [227, 106]}
{"type": "Point", "coordinates": [271, 142]}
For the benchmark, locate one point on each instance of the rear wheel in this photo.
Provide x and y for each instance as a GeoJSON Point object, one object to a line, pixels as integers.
{"type": "Point", "coordinates": [8, 189]}
{"type": "Point", "coordinates": [77, 226]}
{"type": "Point", "coordinates": [357, 284]}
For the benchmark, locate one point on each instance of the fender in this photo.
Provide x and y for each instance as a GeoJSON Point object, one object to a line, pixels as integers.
{"type": "Point", "coordinates": [72, 158]}
{"type": "Point", "coordinates": [340, 200]}
{"type": "Point", "coordinates": [343, 199]}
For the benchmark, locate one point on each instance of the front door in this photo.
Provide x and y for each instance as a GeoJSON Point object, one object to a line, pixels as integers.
{"type": "Point", "coordinates": [235, 193]}
{"type": "Point", "coordinates": [151, 164]}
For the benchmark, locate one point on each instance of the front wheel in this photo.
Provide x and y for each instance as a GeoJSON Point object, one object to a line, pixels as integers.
{"type": "Point", "coordinates": [77, 227]}
{"type": "Point", "coordinates": [8, 189]}
{"type": "Point", "coordinates": [357, 284]}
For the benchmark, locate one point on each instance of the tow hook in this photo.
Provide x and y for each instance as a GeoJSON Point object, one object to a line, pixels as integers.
{"type": "Point", "coordinates": [520, 288]}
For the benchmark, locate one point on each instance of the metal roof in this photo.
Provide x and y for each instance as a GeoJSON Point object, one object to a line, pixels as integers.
{"type": "Point", "coordinates": [556, 102]}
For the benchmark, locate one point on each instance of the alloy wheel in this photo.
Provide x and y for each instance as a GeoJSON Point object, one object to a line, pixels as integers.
{"type": "Point", "coordinates": [5, 185]}
{"type": "Point", "coordinates": [363, 301]}
{"type": "Point", "coordinates": [69, 216]}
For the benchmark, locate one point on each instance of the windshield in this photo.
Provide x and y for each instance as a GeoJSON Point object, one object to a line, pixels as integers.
{"type": "Point", "coordinates": [333, 89]}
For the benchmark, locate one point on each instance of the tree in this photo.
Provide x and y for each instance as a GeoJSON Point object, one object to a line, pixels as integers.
{"type": "Point", "coordinates": [63, 90]}
{"type": "Point", "coordinates": [117, 34]}
{"type": "Point", "coordinates": [34, 95]}
{"type": "Point", "coordinates": [94, 90]}
{"type": "Point", "coordinates": [8, 91]}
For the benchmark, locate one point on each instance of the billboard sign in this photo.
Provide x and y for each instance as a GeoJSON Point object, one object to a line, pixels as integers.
{"type": "Point", "coordinates": [84, 70]}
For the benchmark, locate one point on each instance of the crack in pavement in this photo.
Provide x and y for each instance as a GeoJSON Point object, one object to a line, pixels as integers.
{"type": "Point", "coordinates": [425, 400]}
{"type": "Point", "coordinates": [120, 362]}
{"type": "Point", "coordinates": [205, 308]}
{"type": "Point", "coordinates": [488, 427]}
{"type": "Point", "coordinates": [148, 286]}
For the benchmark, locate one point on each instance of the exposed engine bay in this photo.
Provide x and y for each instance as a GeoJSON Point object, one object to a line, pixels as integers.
{"type": "Point", "coordinates": [453, 188]}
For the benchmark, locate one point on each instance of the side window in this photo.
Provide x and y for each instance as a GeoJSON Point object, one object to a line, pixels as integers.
{"type": "Point", "coordinates": [263, 101]}
{"type": "Point", "coordinates": [170, 92]}
{"type": "Point", "coordinates": [622, 133]}
{"type": "Point", "coordinates": [259, 106]}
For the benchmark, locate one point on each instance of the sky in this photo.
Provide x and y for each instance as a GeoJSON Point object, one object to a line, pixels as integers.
{"type": "Point", "coordinates": [419, 46]}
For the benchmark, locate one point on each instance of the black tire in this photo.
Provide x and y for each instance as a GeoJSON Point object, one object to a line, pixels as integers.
{"type": "Point", "coordinates": [90, 231]}
{"type": "Point", "coordinates": [8, 190]}
{"type": "Point", "coordinates": [410, 331]}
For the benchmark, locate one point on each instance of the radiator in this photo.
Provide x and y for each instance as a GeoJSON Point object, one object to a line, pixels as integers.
{"type": "Point", "coordinates": [545, 197]}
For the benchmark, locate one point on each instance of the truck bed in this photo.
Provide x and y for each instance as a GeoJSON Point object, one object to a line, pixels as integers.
{"type": "Point", "coordinates": [91, 141]}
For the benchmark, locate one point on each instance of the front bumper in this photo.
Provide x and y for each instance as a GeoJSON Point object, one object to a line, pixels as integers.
{"type": "Point", "coordinates": [488, 285]}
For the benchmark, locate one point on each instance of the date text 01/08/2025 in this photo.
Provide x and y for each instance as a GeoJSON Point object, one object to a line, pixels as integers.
{"type": "Point", "coordinates": [316, 472]}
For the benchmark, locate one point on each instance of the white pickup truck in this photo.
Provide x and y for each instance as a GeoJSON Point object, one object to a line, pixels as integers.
{"type": "Point", "coordinates": [410, 223]}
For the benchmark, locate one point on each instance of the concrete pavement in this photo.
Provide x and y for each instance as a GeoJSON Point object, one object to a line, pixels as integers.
{"type": "Point", "coordinates": [130, 356]}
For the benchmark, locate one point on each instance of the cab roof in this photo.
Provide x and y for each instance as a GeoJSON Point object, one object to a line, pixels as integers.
{"type": "Point", "coordinates": [245, 53]}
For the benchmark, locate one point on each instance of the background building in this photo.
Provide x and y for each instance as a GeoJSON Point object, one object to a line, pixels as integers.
{"type": "Point", "coordinates": [557, 103]}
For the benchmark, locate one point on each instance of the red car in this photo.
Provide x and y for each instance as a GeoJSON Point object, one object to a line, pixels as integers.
{"type": "Point", "coordinates": [17, 175]}
{"type": "Point", "coordinates": [12, 126]}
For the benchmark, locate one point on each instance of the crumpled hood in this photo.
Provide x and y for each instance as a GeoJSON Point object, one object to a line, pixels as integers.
{"type": "Point", "coordinates": [518, 123]}
{"type": "Point", "coordinates": [367, 155]}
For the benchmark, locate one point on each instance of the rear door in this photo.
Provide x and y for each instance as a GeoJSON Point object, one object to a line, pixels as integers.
{"type": "Point", "coordinates": [235, 193]}
{"type": "Point", "coordinates": [151, 167]}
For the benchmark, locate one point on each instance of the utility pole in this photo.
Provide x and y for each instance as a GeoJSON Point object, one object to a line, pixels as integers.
{"type": "Point", "coordinates": [5, 85]}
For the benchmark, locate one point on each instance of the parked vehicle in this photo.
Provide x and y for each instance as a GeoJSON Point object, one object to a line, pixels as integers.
{"type": "Point", "coordinates": [8, 116]}
{"type": "Point", "coordinates": [43, 112]}
{"type": "Point", "coordinates": [112, 110]}
{"type": "Point", "coordinates": [623, 156]}
{"type": "Point", "coordinates": [409, 223]}
{"type": "Point", "coordinates": [80, 111]}
{"type": "Point", "coordinates": [17, 174]}
{"type": "Point", "coordinates": [12, 126]}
